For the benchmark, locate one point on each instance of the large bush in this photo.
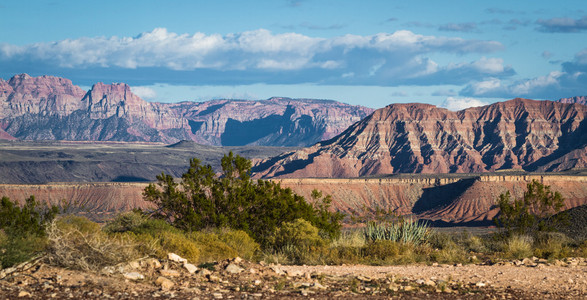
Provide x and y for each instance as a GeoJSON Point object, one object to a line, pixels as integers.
{"type": "Point", "coordinates": [203, 200]}
{"type": "Point", "coordinates": [24, 229]}
{"type": "Point", "coordinates": [536, 211]}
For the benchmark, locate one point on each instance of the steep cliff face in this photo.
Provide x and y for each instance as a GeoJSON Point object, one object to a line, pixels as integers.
{"type": "Point", "coordinates": [421, 138]}
{"type": "Point", "coordinates": [277, 121]}
{"type": "Point", "coordinates": [51, 108]}
{"type": "Point", "coordinates": [24, 94]}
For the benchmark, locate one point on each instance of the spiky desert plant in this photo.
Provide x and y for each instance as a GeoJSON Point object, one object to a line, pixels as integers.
{"type": "Point", "coordinates": [403, 231]}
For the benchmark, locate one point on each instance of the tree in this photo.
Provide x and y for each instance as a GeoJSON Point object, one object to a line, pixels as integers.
{"type": "Point", "coordinates": [201, 199]}
{"type": "Point", "coordinates": [536, 211]}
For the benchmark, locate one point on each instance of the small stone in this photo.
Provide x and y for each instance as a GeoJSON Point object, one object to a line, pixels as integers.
{"type": "Point", "coordinates": [429, 282]}
{"type": "Point", "coordinates": [133, 276]}
{"type": "Point", "coordinates": [277, 270]}
{"type": "Point", "coordinates": [420, 281]}
{"type": "Point", "coordinates": [480, 284]}
{"type": "Point", "coordinates": [213, 278]}
{"type": "Point", "coordinates": [134, 264]}
{"type": "Point", "coordinates": [191, 268]}
{"type": "Point", "coordinates": [233, 269]}
{"type": "Point", "coordinates": [169, 273]}
{"type": "Point", "coordinates": [257, 282]}
{"type": "Point", "coordinates": [258, 295]}
{"type": "Point", "coordinates": [363, 278]}
{"type": "Point", "coordinates": [319, 286]}
{"type": "Point", "coordinates": [252, 271]}
{"type": "Point", "coordinates": [204, 272]}
{"type": "Point", "coordinates": [24, 294]}
{"type": "Point", "coordinates": [237, 260]}
{"type": "Point", "coordinates": [152, 263]}
{"type": "Point", "coordinates": [164, 283]}
{"type": "Point", "coordinates": [176, 258]}
{"type": "Point", "coordinates": [407, 288]}
{"type": "Point", "coordinates": [217, 295]}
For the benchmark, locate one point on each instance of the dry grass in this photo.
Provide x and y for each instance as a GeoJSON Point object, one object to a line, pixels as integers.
{"type": "Point", "coordinates": [85, 248]}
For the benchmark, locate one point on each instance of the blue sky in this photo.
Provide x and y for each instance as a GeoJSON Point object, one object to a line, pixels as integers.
{"type": "Point", "coordinates": [449, 53]}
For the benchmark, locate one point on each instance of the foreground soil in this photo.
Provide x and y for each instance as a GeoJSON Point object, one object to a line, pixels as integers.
{"type": "Point", "coordinates": [237, 279]}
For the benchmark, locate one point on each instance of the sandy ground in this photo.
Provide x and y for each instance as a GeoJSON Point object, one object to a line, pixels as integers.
{"type": "Point", "coordinates": [238, 279]}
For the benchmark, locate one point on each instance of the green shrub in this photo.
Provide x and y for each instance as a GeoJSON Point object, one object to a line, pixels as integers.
{"type": "Point", "coordinates": [204, 200]}
{"type": "Point", "coordinates": [24, 229]}
{"type": "Point", "coordinates": [245, 246]}
{"type": "Point", "coordinates": [551, 245]}
{"type": "Point", "coordinates": [124, 222]}
{"type": "Point", "coordinates": [349, 239]}
{"type": "Point", "coordinates": [180, 244]}
{"type": "Point", "coordinates": [32, 218]}
{"type": "Point", "coordinates": [536, 211]}
{"type": "Point", "coordinates": [299, 233]}
{"type": "Point", "coordinates": [81, 224]}
{"type": "Point", "coordinates": [20, 248]}
{"type": "Point", "coordinates": [212, 248]}
{"type": "Point", "coordinates": [451, 252]}
{"type": "Point", "coordinates": [518, 246]}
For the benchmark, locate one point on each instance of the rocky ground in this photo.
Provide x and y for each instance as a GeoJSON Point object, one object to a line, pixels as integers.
{"type": "Point", "coordinates": [238, 279]}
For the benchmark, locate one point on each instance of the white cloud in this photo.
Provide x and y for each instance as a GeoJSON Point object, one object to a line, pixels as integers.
{"type": "Point", "coordinates": [144, 92]}
{"type": "Point", "coordinates": [456, 104]}
{"type": "Point", "coordinates": [541, 82]}
{"type": "Point", "coordinates": [257, 49]}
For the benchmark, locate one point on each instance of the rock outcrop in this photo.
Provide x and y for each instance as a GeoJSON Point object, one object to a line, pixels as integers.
{"type": "Point", "coordinates": [421, 138]}
{"type": "Point", "coordinates": [577, 99]}
{"type": "Point", "coordinates": [52, 108]}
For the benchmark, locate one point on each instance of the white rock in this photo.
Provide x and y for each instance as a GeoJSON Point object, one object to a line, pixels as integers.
{"type": "Point", "coordinates": [133, 276]}
{"type": "Point", "coordinates": [233, 269]}
{"type": "Point", "coordinates": [191, 268]}
{"type": "Point", "coordinates": [175, 257]}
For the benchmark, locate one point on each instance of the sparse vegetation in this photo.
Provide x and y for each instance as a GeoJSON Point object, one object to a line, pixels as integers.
{"type": "Point", "coordinates": [536, 211]}
{"type": "Point", "coordinates": [202, 200]}
{"type": "Point", "coordinates": [23, 229]}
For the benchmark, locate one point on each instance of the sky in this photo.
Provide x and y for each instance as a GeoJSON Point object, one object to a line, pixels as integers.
{"type": "Point", "coordinates": [453, 54]}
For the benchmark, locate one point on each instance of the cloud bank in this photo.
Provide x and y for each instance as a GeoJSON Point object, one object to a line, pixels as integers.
{"type": "Point", "coordinates": [456, 104]}
{"type": "Point", "coordinates": [562, 25]}
{"type": "Point", "coordinates": [571, 80]}
{"type": "Point", "coordinates": [261, 56]}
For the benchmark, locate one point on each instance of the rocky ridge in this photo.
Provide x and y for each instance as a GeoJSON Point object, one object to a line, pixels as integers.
{"type": "Point", "coordinates": [422, 138]}
{"type": "Point", "coordinates": [577, 99]}
{"type": "Point", "coordinates": [52, 108]}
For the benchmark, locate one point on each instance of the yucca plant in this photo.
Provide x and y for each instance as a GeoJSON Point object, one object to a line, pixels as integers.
{"type": "Point", "coordinates": [402, 231]}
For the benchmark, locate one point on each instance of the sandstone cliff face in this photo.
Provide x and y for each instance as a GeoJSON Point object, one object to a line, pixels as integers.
{"type": "Point", "coordinates": [24, 94]}
{"type": "Point", "coordinates": [277, 121]}
{"type": "Point", "coordinates": [52, 108]}
{"type": "Point", "coordinates": [421, 138]}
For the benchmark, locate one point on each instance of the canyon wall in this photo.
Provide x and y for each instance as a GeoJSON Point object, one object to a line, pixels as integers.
{"type": "Point", "coordinates": [536, 136]}
{"type": "Point", "coordinates": [468, 200]}
{"type": "Point", "coordinates": [52, 108]}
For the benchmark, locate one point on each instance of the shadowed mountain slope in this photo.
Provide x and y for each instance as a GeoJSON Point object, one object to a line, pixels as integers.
{"type": "Point", "coordinates": [421, 138]}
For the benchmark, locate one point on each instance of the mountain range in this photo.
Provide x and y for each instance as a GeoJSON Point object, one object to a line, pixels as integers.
{"type": "Point", "coordinates": [343, 140]}
{"type": "Point", "coordinates": [519, 134]}
{"type": "Point", "coordinates": [53, 108]}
